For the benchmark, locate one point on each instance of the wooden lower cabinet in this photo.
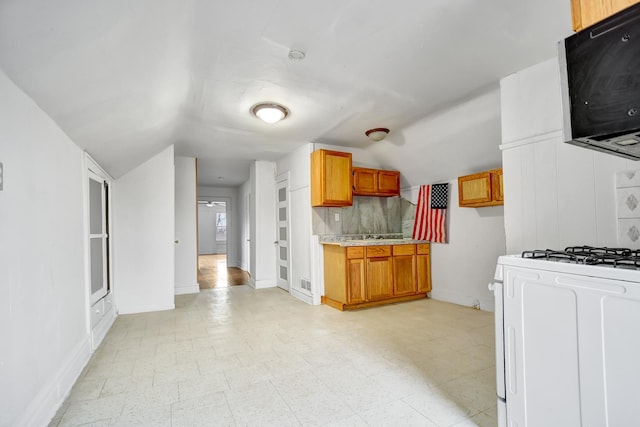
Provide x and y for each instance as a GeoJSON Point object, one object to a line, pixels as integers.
{"type": "Point", "coordinates": [423, 261]}
{"type": "Point", "coordinates": [379, 278]}
{"type": "Point", "coordinates": [355, 281]}
{"type": "Point", "coordinates": [404, 270]}
{"type": "Point", "coordinates": [363, 276]}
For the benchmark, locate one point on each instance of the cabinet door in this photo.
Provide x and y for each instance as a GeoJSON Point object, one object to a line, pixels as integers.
{"type": "Point", "coordinates": [365, 181]}
{"type": "Point", "coordinates": [588, 12]}
{"type": "Point", "coordinates": [389, 182]}
{"type": "Point", "coordinates": [331, 178]}
{"type": "Point", "coordinates": [379, 278]}
{"type": "Point", "coordinates": [379, 273]}
{"type": "Point", "coordinates": [355, 281]}
{"type": "Point", "coordinates": [474, 189]}
{"type": "Point", "coordinates": [423, 267]}
{"type": "Point", "coordinates": [481, 189]}
{"type": "Point", "coordinates": [404, 275]}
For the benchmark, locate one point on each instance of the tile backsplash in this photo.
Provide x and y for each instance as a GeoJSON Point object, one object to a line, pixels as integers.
{"type": "Point", "coordinates": [367, 215]}
{"type": "Point", "coordinates": [628, 208]}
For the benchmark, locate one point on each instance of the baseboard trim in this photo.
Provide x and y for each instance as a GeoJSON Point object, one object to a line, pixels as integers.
{"type": "Point", "coordinates": [262, 284]}
{"type": "Point", "coordinates": [486, 303]}
{"type": "Point", "coordinates": [135, 310]}
{"type": "Point", "coordinates": [187, 289]}
{"type": "Point", "coordinates": [302, 296]}
{"type": "Point", "coordinates": [45, 404]}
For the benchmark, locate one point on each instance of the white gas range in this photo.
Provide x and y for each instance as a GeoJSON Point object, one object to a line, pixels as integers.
{"type": "Point", "coordinates": [568, 338]}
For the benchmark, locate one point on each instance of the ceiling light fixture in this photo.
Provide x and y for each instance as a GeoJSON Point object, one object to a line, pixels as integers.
{"type": "Point", "coordinates": [296, 55]}
{"type": "Point", "coordinates": [270, 112]}
{"type": "Point", "coordinates": [377, 134]}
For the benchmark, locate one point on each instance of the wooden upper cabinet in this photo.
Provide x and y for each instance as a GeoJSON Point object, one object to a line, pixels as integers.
{"type": "Point", "coordinates": [365, 181]}
{"type": "Point", "coordinates": [375, 182]}
{"type": "Point", "coordinates": [389, 182]}
{"type": "Point", "coordinates": [481, 189]}
{"type": "Point", "coordinates": [331, 178]}
{"type": "Point", "coordinates": [588, 12]}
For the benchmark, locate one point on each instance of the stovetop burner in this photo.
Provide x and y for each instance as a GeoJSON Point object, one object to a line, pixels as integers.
{"type": "Point", "coordinates": [589, 255]}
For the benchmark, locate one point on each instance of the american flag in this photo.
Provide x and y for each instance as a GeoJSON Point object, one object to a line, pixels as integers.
{"type": "Point", "coordinates": [431, 213]}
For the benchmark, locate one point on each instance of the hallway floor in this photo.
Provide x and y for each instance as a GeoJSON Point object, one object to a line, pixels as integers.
{"type": "Point", "coordinates": [214, 273]}
{"type": "Point", "coordinates": [242, 357]}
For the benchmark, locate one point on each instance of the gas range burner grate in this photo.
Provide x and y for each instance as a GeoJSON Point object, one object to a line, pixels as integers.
{"type": "Point", "coordinates": [589, 255]}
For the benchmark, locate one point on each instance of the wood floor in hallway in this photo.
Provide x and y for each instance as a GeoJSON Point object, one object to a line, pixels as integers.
{"type": "Point", "coordinates": [214, 273]}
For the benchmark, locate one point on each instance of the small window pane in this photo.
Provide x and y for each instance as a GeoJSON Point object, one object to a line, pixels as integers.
{"type": "Point", "coordinates": [96, 265]}
{"type": "Point", "coordinates": [282, 194]}
{"type": "Point", "coordinates": [283, 253]}
{"type": "Point", "coordinates": [283, 233]}
{"type": "Point", "coordinates": [283, 273]}
{"type": "Point", "coordinates": [282, 215]}
{"type": "Point", "coordinates": [95, 207]}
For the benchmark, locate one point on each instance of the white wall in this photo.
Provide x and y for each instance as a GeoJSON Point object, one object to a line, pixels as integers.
{"type": "Point", "coordinates": [462, 268]}
{"type": "Point", "coordinates": [556, 194]}
{"type": "Point", "coordinates": [144, 227]}
{"type": "Point", "coordinates": [262, 224]}
{"type": "Point", "coordinates": [230, 195]}
{"type": "Point", "coordinates": [300, 243]}
{"type": "Point", "coordinates": [186, 250]}
{"type": "Point", "coordinates": [44, 332]}
{"type": "Point", "coordinates": [460, 139]}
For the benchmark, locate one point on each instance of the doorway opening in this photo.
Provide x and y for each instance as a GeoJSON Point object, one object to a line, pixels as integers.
{"type": "Point", "coordinates": [213, 269]}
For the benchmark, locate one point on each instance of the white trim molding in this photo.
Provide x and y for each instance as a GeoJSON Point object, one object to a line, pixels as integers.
{"type": "Point", "coordinates": [45, 404]}
{"type": "Point", "coordinates": [187, 289]}
{"type": "Point", "coordinates": [262, 284]}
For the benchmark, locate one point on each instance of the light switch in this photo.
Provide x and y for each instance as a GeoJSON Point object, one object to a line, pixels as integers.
{"type": "Point", "coordinates": [1, 176]}
{"type": "Point", "coordinates": [337, 217]}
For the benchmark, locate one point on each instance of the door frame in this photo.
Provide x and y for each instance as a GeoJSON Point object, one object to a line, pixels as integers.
{"type": "Point", "coordinates": [230, 223]}
{"type": "Point", "coordinates": [92, 170]}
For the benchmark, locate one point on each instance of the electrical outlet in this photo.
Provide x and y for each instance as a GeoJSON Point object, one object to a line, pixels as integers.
{"type": "Point", "coordinates": [476, 304]}
{"type": "Point", "coordinates": [1, 176]}
{"type": "Point", "coordinates": [337, 217]}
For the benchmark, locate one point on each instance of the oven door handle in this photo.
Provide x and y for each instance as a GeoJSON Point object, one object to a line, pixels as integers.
{"type": "Point", "coordinates": [497, 288]}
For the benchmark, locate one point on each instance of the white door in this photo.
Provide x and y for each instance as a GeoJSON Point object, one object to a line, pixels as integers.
{"type": "Point", "coordinates": [99, 261]}
{"type": "Point", "coordinates": [282, 231]}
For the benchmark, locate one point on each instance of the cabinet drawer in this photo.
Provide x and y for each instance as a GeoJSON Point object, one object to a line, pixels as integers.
{"type": "Point", "coordinates": [423, 248]}
{"type": "Point", "coordinates": [108, 303]}
{"type": "Point", "coordinates": [404, 249]}
{"type": "Point", "coordinates": [355, 252]}
{"type": "Point", "coordinates": [97, 311]}
{"type": "Point", "coordinates": [378, 251]}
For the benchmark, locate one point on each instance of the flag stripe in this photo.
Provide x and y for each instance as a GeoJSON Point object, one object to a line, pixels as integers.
{"type": "Point", "coordinates": [429, 224]}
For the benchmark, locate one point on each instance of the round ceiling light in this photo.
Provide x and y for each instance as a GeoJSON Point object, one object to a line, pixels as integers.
{"type": "Point", "coordinates": [377, 134]}
{"type": "Point", "coordinates": [270, 112]}
{"type": "Point", "coordinates": [296, 55]}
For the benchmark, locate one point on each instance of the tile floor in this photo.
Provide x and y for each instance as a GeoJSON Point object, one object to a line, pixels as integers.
{"type": "Point", "coordinates": [240, 357]}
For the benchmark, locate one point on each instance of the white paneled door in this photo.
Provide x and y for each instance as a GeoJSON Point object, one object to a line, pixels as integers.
{"type": "Point", "coordinates": [282, 231]}
{"type": "Point", "coordinates": [98, 236]}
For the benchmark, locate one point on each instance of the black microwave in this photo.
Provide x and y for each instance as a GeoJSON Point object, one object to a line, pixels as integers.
{"type": "Point", "coordinates": [600, 80]}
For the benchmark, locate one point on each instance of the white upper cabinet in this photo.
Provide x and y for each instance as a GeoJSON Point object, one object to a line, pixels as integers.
{"type": "Point", "coordinates": [531, 102]}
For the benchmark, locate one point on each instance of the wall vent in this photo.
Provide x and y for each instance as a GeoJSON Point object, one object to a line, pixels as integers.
{"type": "Point", "coordinates": [305, 284]}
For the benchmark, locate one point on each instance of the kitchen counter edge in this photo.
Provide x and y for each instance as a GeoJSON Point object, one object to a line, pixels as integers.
{"type": "Point", "coordinates": [374, 242]}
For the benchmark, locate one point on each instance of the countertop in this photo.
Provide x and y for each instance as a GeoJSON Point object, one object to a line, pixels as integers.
{"type": "Point", "coordinates": [358, 240]}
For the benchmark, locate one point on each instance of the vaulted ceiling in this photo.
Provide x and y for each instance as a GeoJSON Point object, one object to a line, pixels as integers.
{"type": "Point", "coordinates": [124, 79]}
